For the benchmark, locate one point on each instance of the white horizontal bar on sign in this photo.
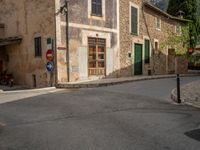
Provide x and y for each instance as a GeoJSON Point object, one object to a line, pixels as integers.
{"type": "Point", "coordinates": [83, 26]}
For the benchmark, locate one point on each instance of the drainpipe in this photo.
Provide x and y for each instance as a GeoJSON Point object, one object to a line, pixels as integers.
{"type": "Point", "coordinates": [151, 40]}
{"type": "Point", "coordinates": [67, 39]}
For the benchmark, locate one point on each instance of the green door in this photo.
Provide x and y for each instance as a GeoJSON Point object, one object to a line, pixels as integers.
{"type": "Point", "coordinates": [138, 59]}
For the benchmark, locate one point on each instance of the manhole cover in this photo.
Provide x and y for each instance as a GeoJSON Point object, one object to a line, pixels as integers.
{"type": "Point", "coordinates": [194, 134]}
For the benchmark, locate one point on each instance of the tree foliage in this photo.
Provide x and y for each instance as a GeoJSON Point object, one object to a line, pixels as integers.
{"type": "Point", "coordinates": [162, 4]}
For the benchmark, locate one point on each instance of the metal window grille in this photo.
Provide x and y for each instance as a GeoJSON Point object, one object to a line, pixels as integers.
{"type": "Point", "coordinates": [38, 47]}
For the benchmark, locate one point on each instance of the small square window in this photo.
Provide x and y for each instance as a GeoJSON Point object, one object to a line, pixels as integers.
{"type": "Point", "coordinates": [38, 47]}
{"type": "Point", "coordinates": [178, 29]}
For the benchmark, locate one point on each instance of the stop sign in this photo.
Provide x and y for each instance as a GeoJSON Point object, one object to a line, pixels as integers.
{"type": "Point", "coordinates": [49, 55]}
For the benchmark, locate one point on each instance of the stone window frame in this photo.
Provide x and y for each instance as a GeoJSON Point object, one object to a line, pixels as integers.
{"type": "Point", "coordinates": [178, 25]}
{"type": "Point", "coordinates": [90, 16]}
{"type": "Point", "coordinates": [158, 18]}
{"type": "Point", "coordinates": [131, 4]}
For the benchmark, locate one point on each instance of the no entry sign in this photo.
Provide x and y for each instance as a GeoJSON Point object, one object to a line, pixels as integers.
{"type": "Point", "coordinates": [49, 55]}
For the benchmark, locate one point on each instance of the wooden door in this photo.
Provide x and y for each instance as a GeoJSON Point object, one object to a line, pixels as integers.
{"type": "Point", "coordinates": [138, 59]}
{"type": "Point", "coordinates": [1, 66]}
{"type": "Point", "coordinates": [96, 57]}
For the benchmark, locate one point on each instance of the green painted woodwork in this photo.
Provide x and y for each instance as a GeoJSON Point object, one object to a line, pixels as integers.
{"type": "Point", "coordinates": [138, 59]}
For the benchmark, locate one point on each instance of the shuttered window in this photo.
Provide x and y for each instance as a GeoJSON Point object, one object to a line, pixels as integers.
{"type": "Point", "coordinates": [147, 51]}
{"type": "Point", "coordinates": [134, 20]}
{"type": "Point", "coordinates": [97, 7]}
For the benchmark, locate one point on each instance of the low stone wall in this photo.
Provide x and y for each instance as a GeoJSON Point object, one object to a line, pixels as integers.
{"type": "Point", "coordinates": [181, 64]}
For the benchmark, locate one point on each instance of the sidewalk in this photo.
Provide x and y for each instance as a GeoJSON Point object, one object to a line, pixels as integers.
{"type": "Point", "coordinates": [114, 81]}
{"type": "Point", "coordinates": [190, 94]}
{"type": "Point", "coordinates": [7, 88]}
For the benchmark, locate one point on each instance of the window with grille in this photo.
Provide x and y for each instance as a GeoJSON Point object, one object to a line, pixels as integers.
{"type": "Point", "coordinates": [38, 47]}
{"type": "Point", "coordinates": [96, 56]}
{"type": "Point", "coordinates": [97, 8]}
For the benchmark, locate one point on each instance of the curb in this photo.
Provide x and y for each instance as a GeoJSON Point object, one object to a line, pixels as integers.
{"type": "Point", "coordinates": [118, 81]}
{"type": "Point", "coordinates": [174, 98]}
{"type": "Point", "coordinates": [27, 90]}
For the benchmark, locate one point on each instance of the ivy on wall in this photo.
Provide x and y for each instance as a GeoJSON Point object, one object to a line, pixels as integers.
{"type": "Point", "coordinates": [179, 42]}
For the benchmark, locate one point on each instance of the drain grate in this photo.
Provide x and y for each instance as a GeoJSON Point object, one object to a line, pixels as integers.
{"type": "Point", "coordinates": [194, 134]}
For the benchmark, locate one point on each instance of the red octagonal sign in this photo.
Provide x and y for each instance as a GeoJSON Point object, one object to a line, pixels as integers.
{"type": "Point", "coordinates": [49, 55]}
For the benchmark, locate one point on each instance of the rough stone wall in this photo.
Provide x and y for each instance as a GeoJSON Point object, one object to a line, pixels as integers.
{"type": "Point", "coordinates": [28, 18]}
{"type": "Point", "coordinates": [181, 64]}
{"type": "Point", "coordinates": [147, 29]}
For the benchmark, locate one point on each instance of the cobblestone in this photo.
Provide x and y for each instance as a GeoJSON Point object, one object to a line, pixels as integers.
{"type": "Point", "coordinates": [190, 94]}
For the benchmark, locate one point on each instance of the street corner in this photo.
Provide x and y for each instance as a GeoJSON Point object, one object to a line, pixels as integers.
{"type": "Point", "coordinates": [190, 94]}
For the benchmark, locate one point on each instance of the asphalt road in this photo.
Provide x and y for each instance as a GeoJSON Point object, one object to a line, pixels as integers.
{"type": "Point", "coordinates": [133, 116]}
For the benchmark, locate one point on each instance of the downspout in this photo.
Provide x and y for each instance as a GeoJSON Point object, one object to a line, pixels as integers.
{"type": "Point", "coordinates": [55, 52]}
{"type": "Point", "coordinates": [67, 40]}
{"type": "Point", "coordinates": [151, 40]}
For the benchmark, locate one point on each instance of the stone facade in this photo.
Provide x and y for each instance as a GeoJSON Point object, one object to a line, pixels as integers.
{"type": "Point", "coordinates": [83, 25]}
{"type": "Point", "coordinates": [159, 63]}
{"type": "Point", "coordinates": [30, 19]}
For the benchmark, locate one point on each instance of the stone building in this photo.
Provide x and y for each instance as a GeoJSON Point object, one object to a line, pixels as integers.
{"type": "Point", "coordinates": [29, 28]}
{"type": "Point", "coordinates": [100, 41]}
{"type": "Point", "coordinates": [143, 27]}
{"type": "Point", "coordinates": [25, 27]}
{"type": "Point", "coordinates": [93, 40]}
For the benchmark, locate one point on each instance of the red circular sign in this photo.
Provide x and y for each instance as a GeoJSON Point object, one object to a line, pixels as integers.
{"type": "Point", "coordinates": [49, 55]}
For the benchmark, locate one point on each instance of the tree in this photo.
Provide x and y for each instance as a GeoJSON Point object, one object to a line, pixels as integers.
{"type": "Point", "coordinates": [190, 12]}
{"type": "Point", "coordinates": [162, 4]}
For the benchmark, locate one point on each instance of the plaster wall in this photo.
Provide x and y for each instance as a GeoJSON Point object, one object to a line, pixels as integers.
{"type": "Point", "coordinates": [28, 19]}
{"type": "Point", "coordinates": [81, 26]}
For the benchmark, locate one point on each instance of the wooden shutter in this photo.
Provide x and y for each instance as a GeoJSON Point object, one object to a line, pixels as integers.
{"type": "Point", "coordinates": [38, 47]}
{"type": "Point", "coordinates": [134, 20]}
{"type": "Point", "coordinates": [147, 51]}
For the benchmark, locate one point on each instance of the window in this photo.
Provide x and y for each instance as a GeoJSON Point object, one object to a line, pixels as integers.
{"type": "Point", "coordinates": [158, 23]}
{"type": "Point", "coordinates": [38, 47]}
{"type": "Point", "coordinates": [134, 20]}
{"type": "Point", "coordinates": [178, 29]}
{"type": "Point", "coordinates": [147, 51]}
{"type": "Point", "coordinates": [156, 46]}
{"type": "Point", "coordinates": [97, 7]}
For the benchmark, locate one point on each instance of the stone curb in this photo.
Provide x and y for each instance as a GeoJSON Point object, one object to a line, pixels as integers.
{"type": "Point", "coordinates": [118, 81]}
{"type": "Point", "coordinates": [174, 98]}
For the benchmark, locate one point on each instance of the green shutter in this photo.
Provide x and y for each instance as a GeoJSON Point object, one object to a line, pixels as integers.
{"type": "Point", "coordinates": [134, 20]}
{"type": "Point", "coordinates": [147, 51]}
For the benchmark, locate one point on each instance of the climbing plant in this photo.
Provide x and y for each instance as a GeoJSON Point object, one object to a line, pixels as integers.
{"type": "Point", "coordinates": [179, 42]}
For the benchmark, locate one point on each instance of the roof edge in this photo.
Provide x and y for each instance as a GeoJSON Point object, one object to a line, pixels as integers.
{"type": "Point", "coordinates": [164, 13]}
